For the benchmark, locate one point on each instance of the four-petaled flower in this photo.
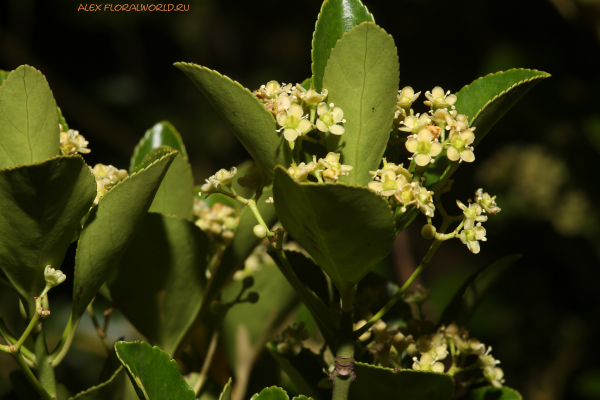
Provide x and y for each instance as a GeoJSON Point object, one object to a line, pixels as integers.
{"type": "Point", "coordinates": [406, 97]}
{"type": "Point", "coordinates": [388, 184]}
{"type": "Point", "coordinates": [330, 118]}
{"type": "Point", "coordinates": [72, 142]}
{"type": "Point", "coordinates": [222, 177]}
{"type": "Point", "coordinates": [414, 123]}
{"type": "Point", "coordinates": [471, 234]}
{"type": "Point", "coordinates": [330, 168]}
{"type": "Point", "coordinates": [53, 276]}
{"type": "Point", "coordinates": [312, 98]}
{"type": "Point", "coordinates": [438, 99]}
{"type": "Point", "coordinates": [486, 202]}
{"type": "Point", "coordinates": [460, 148]}
{"type": "Point", "coordinates": [293, 122]}
{"type": "Point", "coordinates": [473, 211]}
{"type": "Point", "coordinates": [414, 193]}
{"type": "Point", "coordinates": [423, 147]}
{"type": "Point", "coordinates": [300, 172]}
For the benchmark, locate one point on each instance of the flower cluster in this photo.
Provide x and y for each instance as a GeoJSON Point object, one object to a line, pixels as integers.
{"type": "Point", "coordinates": [72, 142]}
{"type": "Point", "coordinates": [295, 108]}
{"type": "Point", "coordinates": [218, 222]}
{"type": "Point", "coordinates": [388, 344]}
{"type": "Point", "coordinates": [474, 215]}
{"type": "Point", "coordinates": [222, 177]}
{"type": "Point", "coordinates": [327, 169]}
{"type": "Point", "coordinates": [106, 177]}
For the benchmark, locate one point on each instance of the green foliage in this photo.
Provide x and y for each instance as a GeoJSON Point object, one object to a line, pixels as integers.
{"type": "Point", "coordinates": [109, 228]}
{"type": "Point", "coordinates": [304, 369]}
{"type": "Point", "coordinates": [41, 207]}
{"type": "Point", "coordinates": [492, 393]}
{"type": "Point", "coordinates": [112, 389]}
{"type": "Point", "coordinates": [176, 192]}
{"type": "Point", "coordinates": [328, 218]}
{"type": "Point", "coordinates": [336, 18]}
{"type": "Point", "coordinates": [3, 75]}
{"type": "Point", "coordinates": [160, 279]}
{"type": "Point", "coordinates": [271, 393]}
{"type": "Point", "coordinates": [306, 278]}
{"type": "Point", "coordinates": [362, 77]}
{"type": "Point", "coordinates": [465, 301]}
{"type": "Point", "coordinates": [28, 119]}
{"type": "Point", "coordinates": [226, 394]}
{"type": "Point", "coordinates": [152, 372]}
{"type": "Point", "coordinates": [251, 123]}
{"type": "Point", "coordinates": [385, 383]}
{"type": "Point", "coordinates": [61, 120]}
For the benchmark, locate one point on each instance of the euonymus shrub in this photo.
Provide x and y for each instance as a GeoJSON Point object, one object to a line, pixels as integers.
{"type": "Point", "coordinates": [342, 163]}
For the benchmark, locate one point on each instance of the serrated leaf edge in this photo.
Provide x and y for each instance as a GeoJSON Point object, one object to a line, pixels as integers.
{"type": "Point", "coordinates": [312, 50]}
{"type": "Point", "coordinates": [146, 136]}
{"type": "Point", "coordinates": [224, 388]}
{"type": "Point", "coordinates": [113, 376]}
{"type": "Point", "coordinates": [153, 348]}
{"type": "Point", "coordinates": [271, 387]}
{"type": "Point", "coordinates": [229, 79]}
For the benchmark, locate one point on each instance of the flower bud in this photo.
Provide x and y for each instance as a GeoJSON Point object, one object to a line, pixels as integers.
{"type": "Point", "coordinates": [252, 297]}
{"type": "Point", "coordinates": [248, 282]}
{"type": "Point", "coordinates": [428, 231]}
{"type": "Point", "coordinates": [53, 277]}
{"type": "Point", "coordinates": [260, 231]}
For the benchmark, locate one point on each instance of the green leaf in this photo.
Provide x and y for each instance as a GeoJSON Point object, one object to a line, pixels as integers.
{"type": "Point", "coordinates": [109, 229]}
{"type": "Point", "coordinates": [61, 120]}
{"type": "Point", "coordinates": [346, 229]}
{"type": "Point", "coordinates": [244, 114]}
{"type": "Point", "coordinates": [161, 134]}
{"type": "Point", "coordinates": [302, 398]}
{"type": "Point", "coordinates": [226, 394]}
{"type": "Point", "coordinates": [113, 388]}
{"type": "Point", "coordinates": [152, 372]}
{"type": "Point", "coordinates": [151, 157]}
{"type": "Point", "coordinates": [306, 83]}
{"type": "Point", "coordinates": [465, 301]}
{"type": "Point", "coordinates": [383, 383]}
{"type": "Point", "coordinates": [492, 393]}
{"type": "Point", "coordinates": [485, 101]}
{"type": "Point", "coordinates": [336, 18]}
{"type": "Point", "coordinates": [302, 277]}
{"type": "Point", "coordinates": [362, 77]}
{"type": "Point", "coordinates": [41, 207]}
{"type": "Point", "coordinates": [28, 119]}
{"type": "Point", "coordinates": [3, 75]}
{"type": "Point", "coordinates": [160, 279]}
{"type": "Point", "coordinates": [258, 321]}
{"type": "Point", "coordinates": [233, 258]}
{"type": "Point", "coordinates": [304, 369]}
{"type": "Point", "coordinates": [176, 192]}
{"type": "Point", "coordinates": [272, 393]}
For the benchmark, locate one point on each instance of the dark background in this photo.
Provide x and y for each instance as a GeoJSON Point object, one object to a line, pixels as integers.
{"type": "Point", "coordinates": [112, 75]}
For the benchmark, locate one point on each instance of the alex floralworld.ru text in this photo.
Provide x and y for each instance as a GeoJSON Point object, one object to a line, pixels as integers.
{"type": "Point", "coordinates": [133, 7]}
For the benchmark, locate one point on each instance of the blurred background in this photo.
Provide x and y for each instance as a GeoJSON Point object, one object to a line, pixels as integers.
{"type": "Point", "coordinates": [112, 75]}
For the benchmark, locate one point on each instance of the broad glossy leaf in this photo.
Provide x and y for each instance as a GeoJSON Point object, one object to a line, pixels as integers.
{"type": "Point", "coordinates": [492, 393]}
{"type": "Point", "coordinates": [160, 279]}
{"type": "Point", "coordinates": [336, 18]}
{"type": "Point", "coordinates": [28, 119]}
{"type": "Point", "coordinates": [152, 372]}
{"type": "Point", "coordinates": [304, 278]}
{"type": "Point", "coordinates": [304, 369]}
{"type": "Point", "coordinates": [226, 394]}
{"type": "Point", "coordinates": [464, 302]}
{"type": "Point", "coordinates": [249, 120]}
{"type": "Point", "coordinates": [362, 77]}
{"type": "Point", "coordinates": [233, 258]}
{"type": "Point", "coordinates": [113, 388]}
{"type": "Point", "coordinates": [110, 228]}
{"type": "Point", "coordinates": [383, 383]}
{"type": "Point", "coordinates": [271, 393]}
{"type": "Point", "coordinates": [259, 320]}
{"type": "Point", "coordinates": [161, 134]}
{"type": "Point", "coordinates": [41, 207]}
{"type": "Point", "coordinates": [346, 229]}
{"type": "Point", "coordinates": [3, 75]}
{"type": "Point", "coordinates": [485, 101]}
{"type": "Point", "coordinates": [175, 194]}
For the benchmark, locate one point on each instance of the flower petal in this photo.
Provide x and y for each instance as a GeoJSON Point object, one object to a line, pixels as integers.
{"type": "Point", "coordinates": [375, 186]}
{"type": "Point", "coordinates": [435, 149]}
{"type": "Point", "coordinates": [422, 159]}
{"type": "Point", "coordinates": [424, 135]}
{"type": "Point", "coordinates": [295, 110]}
{"type": "Point", "coordinates": [304, 126]}
{"type": "Point", "coordinates": [473, 246]}
{"type": "Point", "coordinates": [290, 134]}
{"type": "Point", "coordinates": [466, 155]}
{"type": "Point", "coordinates": [337, 129]}
{"type": "Point", "coordinates": [321, 126]}
{"type": "Point", "coordinates": [412, 145]}
{"type": "Point", "coordinates": [322, 109]}
{"type": "Point", "coordinates": [452, 154]}
{"type": "Point", "coordinates": [467, 136]}
{"type": "Point", "coordinates": [281, 118]}
{"type": "Point", "coordinates": [338, 114]}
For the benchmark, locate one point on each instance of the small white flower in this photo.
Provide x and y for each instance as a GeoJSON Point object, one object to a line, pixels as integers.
{"type": "Point", "coordinates": [460, 148]}
{"type": "Point", "coordinates": [330, 168]}
{"type": "Point", "coordinates": [312, 98]}
{"type": "Point", "coordinates": [293, 122]}
{"type": "Point", "coordinates": [72, 142]}
{"type": "Point", "coordinates": [270, 200]}
{"type": "Point", "coordinates": [438, 99]}
{"type": "Point", "coordinates": [473, 211]}
{"type": "Point", "coordinates": [53, 277]}
{"type": "Point", "coordinates": [471, 235]}
{"type": "Point", "coordinates": [388, 184]}
{"type": "Point", "coordinates": [330, 119]}
{"type": "Point", "coordinates": [300, 172]}
{"type": "Point", "coordinates": [486, 202]}
{"type": "Point", "coordinates": [406, 97]}
{"type": "Point", "coordinates": [414, 123]}
{"type": "Point", "coordinates": [423, 147]}
{"type": "Point", "coordinates": [222, 177]}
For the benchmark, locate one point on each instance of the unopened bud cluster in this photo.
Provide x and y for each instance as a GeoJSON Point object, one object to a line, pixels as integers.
{"type": "Point", "coordinates": [295, 109]}
{"type": "Point", "coordinates": [291, 339]}
{"type": "Point", "coordinates": [218, 221]}
{"type": "Point", "coordinates": [106, 177]}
